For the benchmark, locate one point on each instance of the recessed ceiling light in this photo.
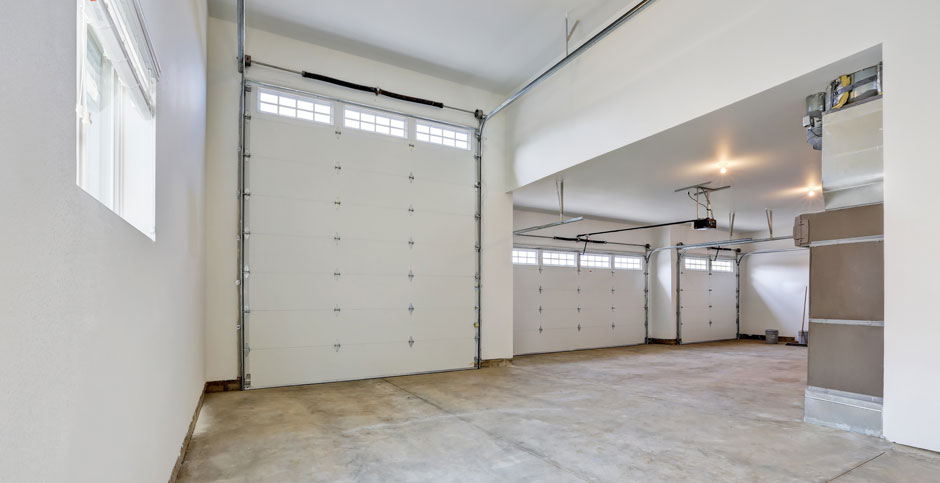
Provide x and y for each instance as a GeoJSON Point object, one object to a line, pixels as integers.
{"type": "Point", "coordinates": [723, 167]}
{"type": "Point", "coordinates": [811, 193]}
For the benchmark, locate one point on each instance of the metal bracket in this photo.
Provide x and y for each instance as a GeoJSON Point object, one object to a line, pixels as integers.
{"type": "Point", "coordinates": [612, 308]}
{"type": "Point", "coordinates": [540, 309]}
{"type": "Point", "coordinates": [411, 177]}
{"type": "Point", "coordinates": [540, 289]}
{"type": "Point", "coordinates": [579, 308]}
{"type": "Point", "coordinates": [411, 276]}
{"type": "Point", "coordinates": [540, 329]}
{"type": "Point", "coordinates": [613, 326]}
{"type": "Point", "coordinates": [337, 345]}
{"type": "Point", "coordinates": [338, 167]}
{"type": "Point", "coordinates": [411, 342]}
{"type": "Point", "coordinates": [411, 242]}
{"type": "Point", "coordinates": [579, 327]}
{"type": "Point", "coordinates": [336, 273]}
{"type": "Point", "coordinates": [411, 209]}
{"type": "Point", "coordinates": [579, 289]}
{"type": "Point", "coordinates": [337, 203]}
{"type": "Point", "coordinates": [336, 309]}
{"type": "Point", "coordinates": [411, 308]}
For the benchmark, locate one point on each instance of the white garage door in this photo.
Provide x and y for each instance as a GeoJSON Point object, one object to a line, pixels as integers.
{"type": "Point", "coordinates": [561, 308]}
{"type": "Point", "coordinates": [361, 252]}
{"type": "Point", "coordinates": [707, 299]}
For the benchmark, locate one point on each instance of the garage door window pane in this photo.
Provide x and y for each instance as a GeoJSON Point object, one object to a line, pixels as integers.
{"type": "Point", "coordinates": [628, 263]}
{"type": "Point", "coordinates": [295, 107]}
{"type": "Point", "coordinates": [695, 263]}
{"type": "Point", "coordinates": [559, 259]}
{"type": "Point", "coordinates": [595, 261]}
{"type": "Point", "coordinates": [524, 257]}
{"type": "Point", "coordinates": [722, 266]}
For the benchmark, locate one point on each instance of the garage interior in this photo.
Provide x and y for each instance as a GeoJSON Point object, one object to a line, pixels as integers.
{"type": "Point", "coordinates": [575, 240]}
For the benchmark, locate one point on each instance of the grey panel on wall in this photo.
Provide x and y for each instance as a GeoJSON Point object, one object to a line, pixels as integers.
{"type": "Point", "coordinates": [847, 358]}
{"type": "Point", "coordinates": [859, 221]}
{"type": "Point", "coordinates": [847, 281]}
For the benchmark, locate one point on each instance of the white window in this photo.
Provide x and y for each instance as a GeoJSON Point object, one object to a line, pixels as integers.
{"type": "Point", "coordinates": [295, 107]}
{"type": "Point", "coordinates": [116, 109]}
{"type": "Point", "coordinates": [372, 122]}
{"type": "Point", "coordinates": [559, 259]}
{"type": "Point", "coordinates": [628, 263]}
{"type": "Point", "coordinates": [722, 266]}
{"type": "Point", "coordinates": [695, 263]}
{"type": "Point", "coordinates": [524, 257]}
{"type": "Point", "coordinates": [445, 136]}
{"type": "Point", "coordinates": [595, 261]}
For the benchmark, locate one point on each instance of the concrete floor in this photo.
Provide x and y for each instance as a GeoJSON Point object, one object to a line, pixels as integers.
{"type": "Point", "coordinates": [713, 412]}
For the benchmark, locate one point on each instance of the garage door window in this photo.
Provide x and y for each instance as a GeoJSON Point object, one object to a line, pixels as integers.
{"type": "Point", "coordinates": [595, 261]}
{"type": "Point", "coordinates": [295, 107]}
{"type": "Point", "coordinates": [372, 122]}
{"type": "Point", "coordinates": [445, 136]}
{"type": "Point", "coordinates": [695, 263]}
{"type": "Point", "coordinates": [559, 259]}
{"type": "Point", "coordinates": [524, 257]}
{"type": "Point", "coordinates": [722, 266]}
{"type": "Point", "coordinates": [628, 263]}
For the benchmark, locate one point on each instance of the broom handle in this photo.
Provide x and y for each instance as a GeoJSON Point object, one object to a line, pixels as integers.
{"type": "Point", "coordinates": [803, 315]}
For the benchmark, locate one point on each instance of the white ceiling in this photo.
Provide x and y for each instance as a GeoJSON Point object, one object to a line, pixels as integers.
{"type": "Point", "coordinates": [761, 139]}
{"type": "Point", "coordinates": [495, 45]}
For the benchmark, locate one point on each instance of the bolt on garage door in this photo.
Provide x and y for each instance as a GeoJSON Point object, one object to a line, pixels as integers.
{"type": "Point", "coordinates": [362, 248]}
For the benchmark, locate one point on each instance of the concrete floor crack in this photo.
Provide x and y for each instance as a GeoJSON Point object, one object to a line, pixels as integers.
{"type": "Point", "coordinates": [495, 436]}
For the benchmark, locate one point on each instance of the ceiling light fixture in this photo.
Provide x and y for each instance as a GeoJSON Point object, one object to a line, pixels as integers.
{"type": "Point", "coordinates": [724, 167]}
{"type": "Point", "coordinates": [811, 193]}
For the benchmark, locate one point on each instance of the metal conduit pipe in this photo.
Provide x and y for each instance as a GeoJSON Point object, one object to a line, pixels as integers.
{"type": "Point", "coordinates": [242, 103]}
{"type": "Point", "coordinates": [573, 55]}
{"type": "Point", "coordinates": [740, 241]}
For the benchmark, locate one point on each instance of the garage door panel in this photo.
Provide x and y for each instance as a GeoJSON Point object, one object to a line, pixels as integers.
{"type": "Point", "coordinates": [440, 164]}
{"type": "Point", "coordinates": [708, 306]}
{"type": "Point", "coordinates": [448, 197]}
{"type": "Point", "coordinates": [559, 318]}
{"type": "Point", "coordinates": [338, 222]}
{"type": "Point", "coordinates": [284, 367]}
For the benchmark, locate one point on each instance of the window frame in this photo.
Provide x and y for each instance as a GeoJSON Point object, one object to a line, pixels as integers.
{"type": "Point", "coordinates": [592, 264]}
{"type": "Point", "coordinates": [360, 111]}
{"type": "Point", "coordinates": [431, 126]}
{"type": "Point", "coordinates": [517, 260]}
{"type": "Point", "coordinates": [543, 258]}
{"type": "Point", "coordinates": [117, 165]}
{"type": "Point", "coordinates": [639, 258]}
{"type": "Point", "coordinates": [705, 265]}
{"type": "Point", "coordinates": [260, 102]}
{"type": "Point", "coordinates": [730, 262]}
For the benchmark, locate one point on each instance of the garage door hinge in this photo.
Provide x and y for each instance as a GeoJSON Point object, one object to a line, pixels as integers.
{"type": "Point", "coordinates": [477, 157]}
{"type": "Point", "coordinates": [337, 203]}
{"type": "Point", "coordinates": [476, 215]}
{"type": "Point", "coordinates": [247, 117]}
{"type": "Point", "coordinates": [540, 309]}
{"type": "Point", "coordinates": [476, 186]}
{"type": "Point", "coordinates": [246, 310]}
{"type": "Point", "coordinates": [579, 309]}
{"type": "Point", "coordinates": [411, 209]}
{"type": "Point", "coordinates": [245, 193]}
{"type": "Point", "coordinates": [579, 327]}
{"type": "Point", "coordinates": [612, 308]}
{"type": "Point", "coordinates": [411, 308]}
{"type": "Point", "coordinates": [247, 88]}
{"type": "Point", "coordinates": [338, 167]}
{"type": "Point", "coordinates": [337, 309]}
{"type": "Point", "coordinates": [336, 237]}
{"type": "Point", "coordinates": [336, 273]}
{"type": "Point", "coordinates": [411, 342]}
{"type": "Point", "coordinates": [477, 246]}
{"type": "Point", "coordinates": [247, 349]}
{"type": "Point", "coordinates": [337, 345]}
{"type": "Point", "coordinates": [411, 275]}
{"type": "Point", "coordinates": [540, 329]}
{"type": "Point", "coordinates": [411, 242]}
{"type": "Point", "coordinates": [247, 380]}
{"type": "Point", "coordinates": [613, 326]}
{"type": "Point", "coordinates": [411, 177]}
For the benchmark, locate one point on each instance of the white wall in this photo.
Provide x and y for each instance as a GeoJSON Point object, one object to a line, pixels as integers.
{"type": "Point", "coordinates": [734, 49]}
{"type": "Point", "coordinates": [221, 295]}
{"type": "Point", "coordinates": [912, 166]}
{"type": "Point", "coordinates": [102, 328]}
{"type": "Point", "coordinates": [772, 289]}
